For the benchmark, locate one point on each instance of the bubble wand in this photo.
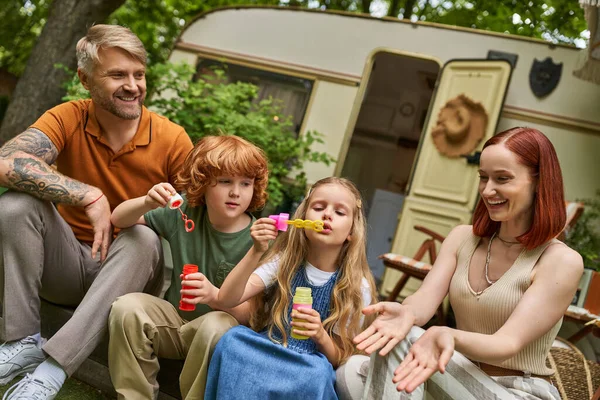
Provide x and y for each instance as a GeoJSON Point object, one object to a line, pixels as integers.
{"type": "Point", "coordinates": [175, 202]}
{"type": "Point", "coordinates": [283, 220]}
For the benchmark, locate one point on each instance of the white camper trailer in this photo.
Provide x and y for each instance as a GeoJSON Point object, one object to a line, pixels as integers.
{"type": "Point", "coordinates": [375, 87]}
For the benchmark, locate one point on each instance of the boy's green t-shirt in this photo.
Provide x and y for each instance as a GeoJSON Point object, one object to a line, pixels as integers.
{"type": "Point", "coordinates": [215, 253]}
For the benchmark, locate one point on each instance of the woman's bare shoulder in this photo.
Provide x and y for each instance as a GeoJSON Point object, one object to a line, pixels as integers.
{"type": "Point", "coordinates": [560, 260]}
{"type": "Point", "coordinates": [456, 238]}
{"type": "Point", "coordinates": [460, 232]}
{"type": "Point", "coordinates": [561, 252]}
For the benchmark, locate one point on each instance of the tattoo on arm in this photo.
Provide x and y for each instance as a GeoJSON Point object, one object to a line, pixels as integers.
{"type": "Point", "coordinates": [34, 175]}
{"type": "Point", "coordinates": [34, 142]}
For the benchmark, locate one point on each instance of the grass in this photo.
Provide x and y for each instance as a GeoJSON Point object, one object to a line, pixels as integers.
{"type": "Point", "coordinates": [72, 390]}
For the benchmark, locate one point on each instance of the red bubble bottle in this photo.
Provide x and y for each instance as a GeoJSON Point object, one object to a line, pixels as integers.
{"type": "Point", "coordinates": [188, 269]}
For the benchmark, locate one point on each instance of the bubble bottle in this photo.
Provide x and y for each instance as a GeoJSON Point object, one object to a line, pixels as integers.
{"type": "Point", "coordinates": [188, 269]}
{"type": "Point", "coordinates": [302, 299]}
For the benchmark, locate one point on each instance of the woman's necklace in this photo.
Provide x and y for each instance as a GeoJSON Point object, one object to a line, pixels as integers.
{"type": "Point", "coordinates": [507, 242]}
{"type": "Point", "coordinates": [487, 260]}
{"type": "Point", "coordinates": [487, 264]}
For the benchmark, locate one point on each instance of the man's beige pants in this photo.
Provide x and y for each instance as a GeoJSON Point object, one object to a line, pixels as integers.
{"type": "Point", "coordinates": [41, 257]}
{"type": "Point", "coordinates": [143, 328]}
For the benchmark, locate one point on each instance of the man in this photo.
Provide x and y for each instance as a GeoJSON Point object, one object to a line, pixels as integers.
{"type": "Point", "coordinates": [55, 231]}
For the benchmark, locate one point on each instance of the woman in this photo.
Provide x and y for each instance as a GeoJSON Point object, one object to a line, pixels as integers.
{"type": "Point", "coordinates": [509, 282]}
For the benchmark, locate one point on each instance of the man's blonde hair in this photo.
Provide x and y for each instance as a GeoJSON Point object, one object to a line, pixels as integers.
{"type": "Point", "coordinates": [106, 36]}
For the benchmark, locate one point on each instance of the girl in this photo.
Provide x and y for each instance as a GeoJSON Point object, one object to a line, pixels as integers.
{"type": "Point", "coordinates": [270, 363]}
{"type": "Point", "coordinates": [509, 281]}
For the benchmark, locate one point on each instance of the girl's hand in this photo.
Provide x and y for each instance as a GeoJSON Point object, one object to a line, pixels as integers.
{"type": "Point", "coordinates": [203, 291]}
{"type": "Point", "coordinates": [159, 195]}
{"type": "Point", "coordinates": [310, 325]}
{"type": "Point", "coordinates": [262, 231]}
{"type": "Point", "coordinates": [391, 326]}
{"type": "Point", "coordinates": [429, 354]}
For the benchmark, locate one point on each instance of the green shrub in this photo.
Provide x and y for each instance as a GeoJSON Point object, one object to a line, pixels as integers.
{"type": "Point", "coordinates": [210, 105]}
{"type": "Point", "coordinates": [585, 235]}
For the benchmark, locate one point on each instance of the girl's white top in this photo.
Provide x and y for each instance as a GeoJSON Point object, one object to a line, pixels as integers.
{"type": "Point", "coordinates": [267, 272]}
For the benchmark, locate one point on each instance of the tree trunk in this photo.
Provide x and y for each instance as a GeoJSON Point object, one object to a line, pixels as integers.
{"type": "Point", "coordinates": [41, 86]}
{"type": "Point", "coordinates": [408, 9]}
{"type": "Point", "coordinates": [394, 8]}
{"type": "Point", "coordinates": [366, 6]}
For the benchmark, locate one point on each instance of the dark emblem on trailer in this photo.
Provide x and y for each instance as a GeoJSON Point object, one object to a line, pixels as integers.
{"type": "Point", "coordinates": [544, 76]}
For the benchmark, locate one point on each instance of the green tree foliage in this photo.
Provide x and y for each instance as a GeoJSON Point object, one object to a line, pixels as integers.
{"type": "Point", "coordinates": [159, 22]}
{"type": "Point", "coordinates": [156, 22]}
{"type": "Point", "coordinates": [585, 235]}
{"type": "Point", "coordinates": [558, 21]}
{"type": "Point", "coordinates": [22, 22]}
{"type": "Point", "coordinates": [210, 105]}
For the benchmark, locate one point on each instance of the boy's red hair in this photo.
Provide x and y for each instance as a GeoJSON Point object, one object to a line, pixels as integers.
{"type": "Point", "coordinates": [535, 151]}
{"type": "Point", "coordinates": [230, 155]}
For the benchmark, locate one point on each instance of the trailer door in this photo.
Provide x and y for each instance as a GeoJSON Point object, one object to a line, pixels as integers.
{"type": "Point", "coordinates": [443, 191]}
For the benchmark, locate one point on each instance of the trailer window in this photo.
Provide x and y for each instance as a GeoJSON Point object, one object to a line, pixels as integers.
{"type": "Point", "coordinates": [293, 92]}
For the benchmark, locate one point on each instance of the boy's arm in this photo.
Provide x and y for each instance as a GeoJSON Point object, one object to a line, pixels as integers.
{"type": "Point", "coordinates": [202, 291]}
{"type": "Point", "coordinates": [130, 212]}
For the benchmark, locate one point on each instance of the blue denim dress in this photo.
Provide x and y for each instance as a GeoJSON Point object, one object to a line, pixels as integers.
{"type": "Point", "coordinates": [248, 365]}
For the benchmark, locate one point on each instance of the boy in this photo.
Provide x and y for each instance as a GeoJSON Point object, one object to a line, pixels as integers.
{"type": "Point", "coordinates": [224, 177]}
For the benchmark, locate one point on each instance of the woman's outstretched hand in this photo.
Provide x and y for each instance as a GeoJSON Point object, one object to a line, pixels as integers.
{"type": "Point", "coordinates": [391, 326]}
{"type": "Point", "coordinates": [429, 354]}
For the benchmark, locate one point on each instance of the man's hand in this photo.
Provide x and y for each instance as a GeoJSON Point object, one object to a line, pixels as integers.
{"type": "Point", "coordinates": [391, 326]}
{"type": "Point", "coordinates": [98, 214]}
{"type": "Point", "coordinates": [204, 291]}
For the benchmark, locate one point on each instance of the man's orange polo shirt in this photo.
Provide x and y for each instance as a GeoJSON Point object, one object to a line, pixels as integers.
{"type": "Point", "coordinates": [155, 154]}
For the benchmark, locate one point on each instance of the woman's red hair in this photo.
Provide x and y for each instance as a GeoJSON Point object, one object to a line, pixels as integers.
{"type": "Point", "coordinates": [534, 151]}
{"type": "Point", "coordinates": [223, 155]}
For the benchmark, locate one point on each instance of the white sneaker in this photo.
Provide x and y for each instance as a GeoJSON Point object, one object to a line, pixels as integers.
{"type": "Point", "coordinates": [30, 388]}
{"type": "Point", "coordinates": [18, 358]}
